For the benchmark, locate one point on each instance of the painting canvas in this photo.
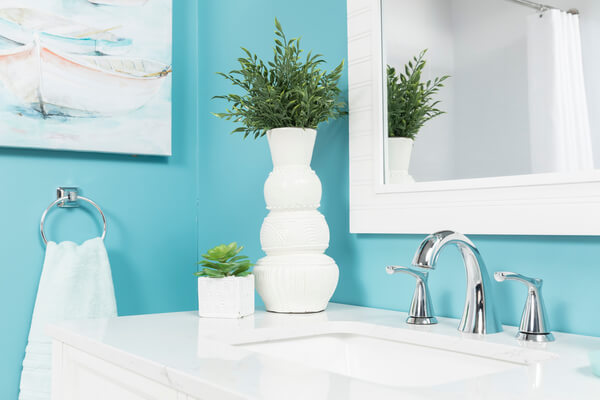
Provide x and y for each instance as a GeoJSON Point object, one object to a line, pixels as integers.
{"type": "Point", "coordinates": [86, 75]}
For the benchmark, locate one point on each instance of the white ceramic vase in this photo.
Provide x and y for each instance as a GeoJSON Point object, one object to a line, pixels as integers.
{"type": "Point", "coordinates": [399, 152]}
{"type": "Point", "coordinates": [295, 276]}
{"type": "Point", "coordinates": [230, 297]}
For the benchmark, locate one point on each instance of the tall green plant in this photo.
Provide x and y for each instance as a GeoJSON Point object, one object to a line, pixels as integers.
{"type": "Point", "coordinates": [410, 101]}
{"type": "Point", "coordinates": [285, 92]}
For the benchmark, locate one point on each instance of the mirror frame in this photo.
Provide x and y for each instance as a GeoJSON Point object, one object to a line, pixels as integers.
{"type": "Point", "coordinates": [542, 204]}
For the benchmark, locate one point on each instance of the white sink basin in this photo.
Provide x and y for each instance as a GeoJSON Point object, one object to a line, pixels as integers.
{"type": "Point", "coordinates": [393, 362]}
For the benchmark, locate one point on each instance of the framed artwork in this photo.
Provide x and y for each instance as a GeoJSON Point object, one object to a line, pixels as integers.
{"type": "Point", "coordinates": [86, 75]}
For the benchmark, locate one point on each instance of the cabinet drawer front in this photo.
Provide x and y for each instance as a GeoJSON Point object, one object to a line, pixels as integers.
{"type": "Point", "coordinates": [83, 376]}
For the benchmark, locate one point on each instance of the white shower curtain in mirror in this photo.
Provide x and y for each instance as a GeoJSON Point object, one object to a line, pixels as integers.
{"type": "Point", "coordinates": [559, 121]}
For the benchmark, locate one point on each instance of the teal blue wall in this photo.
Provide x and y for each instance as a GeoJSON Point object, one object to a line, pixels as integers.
{"type": "Point", "coordinates": [150, 203]}
{"type": "Point", "coordinates": [233, 171]}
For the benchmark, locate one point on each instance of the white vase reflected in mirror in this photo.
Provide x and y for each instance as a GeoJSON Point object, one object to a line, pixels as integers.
{"type": "Point", "coordinates": [399, 153]}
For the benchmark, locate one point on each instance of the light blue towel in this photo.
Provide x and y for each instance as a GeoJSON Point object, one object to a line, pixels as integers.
{"type": "Point", "coordinates": [76, 283]}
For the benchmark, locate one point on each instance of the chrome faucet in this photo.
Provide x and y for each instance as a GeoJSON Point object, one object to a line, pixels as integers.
{"type": "Point", "coordinates": [479, 315]}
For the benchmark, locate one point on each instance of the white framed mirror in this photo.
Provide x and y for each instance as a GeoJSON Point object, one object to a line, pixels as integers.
{"type": "Point", "coordinates": [515, 151]}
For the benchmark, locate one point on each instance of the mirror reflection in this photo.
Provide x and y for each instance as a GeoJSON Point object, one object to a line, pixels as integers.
{"type": "Point", "coordinates": [489, 88]}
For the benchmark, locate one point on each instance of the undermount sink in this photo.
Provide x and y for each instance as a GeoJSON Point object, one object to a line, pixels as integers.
{"type": "Point", "coordinates": [392, 362]}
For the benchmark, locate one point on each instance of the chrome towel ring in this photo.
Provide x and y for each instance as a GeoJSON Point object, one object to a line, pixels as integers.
{"type": "Point", "coordinates": [67, 198]}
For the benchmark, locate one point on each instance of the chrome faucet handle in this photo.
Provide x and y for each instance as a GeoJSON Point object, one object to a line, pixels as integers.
{"type": "Point", "coordinates": [534, 327]}
{"type": "Point", "coordinates": [421, 308]}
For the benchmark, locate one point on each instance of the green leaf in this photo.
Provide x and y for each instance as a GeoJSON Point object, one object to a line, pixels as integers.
{"type": "Point", "coordinates": [278, 25]}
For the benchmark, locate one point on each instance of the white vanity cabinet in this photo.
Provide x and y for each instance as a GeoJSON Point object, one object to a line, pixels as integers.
{"type": "Point", "coordinates": [78, 375]}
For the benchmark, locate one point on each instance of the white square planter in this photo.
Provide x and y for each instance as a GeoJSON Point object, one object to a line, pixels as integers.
{"type": "Point", "coordinates": [231, 297]}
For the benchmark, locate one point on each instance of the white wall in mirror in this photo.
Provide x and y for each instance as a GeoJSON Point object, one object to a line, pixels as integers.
{"type": "Point", "coordinates": [483, 45]}
{"type": "Point", "coordinates": [490, 203]}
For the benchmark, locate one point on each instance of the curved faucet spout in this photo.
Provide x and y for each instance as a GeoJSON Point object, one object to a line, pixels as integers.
{"type": "Point", "coordinates": [429, 249]}
{"type": "Point", "coordinates": [479, 315]}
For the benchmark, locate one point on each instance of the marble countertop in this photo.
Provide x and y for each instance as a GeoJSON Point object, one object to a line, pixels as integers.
{"type": "Point", "coordinates": [198, 356]}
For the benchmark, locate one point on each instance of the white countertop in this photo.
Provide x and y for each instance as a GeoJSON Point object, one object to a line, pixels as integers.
{"type": "Point", "coordinates": [197, 356]}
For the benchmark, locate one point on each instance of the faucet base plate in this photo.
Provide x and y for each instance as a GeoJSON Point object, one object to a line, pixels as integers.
{"type": "Point", "coordinates": [421, 320]}
{"type": "Point", "coordinates": [535, 337]}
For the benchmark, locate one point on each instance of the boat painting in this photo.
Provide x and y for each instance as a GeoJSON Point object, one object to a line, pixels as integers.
{"type": "Point", "coordinates": [57, 96]}
{"type": "Point", "coordinates": [55, 83]}
{"type": "Point", "coordinates": [21, 25]}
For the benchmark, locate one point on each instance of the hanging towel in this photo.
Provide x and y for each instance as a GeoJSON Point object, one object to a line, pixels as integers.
{"type": "Point", "coordinates": [76, 283]}
{"type": "Point", "coordinates": [560, 135]}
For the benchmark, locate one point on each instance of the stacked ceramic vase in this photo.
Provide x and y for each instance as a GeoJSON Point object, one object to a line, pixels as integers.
{"type": "Point", "coordinates": [295, 276]}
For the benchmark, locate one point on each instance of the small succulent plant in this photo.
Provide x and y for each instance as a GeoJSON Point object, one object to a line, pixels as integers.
{"type": "Point", "coordinates": [224, 260]}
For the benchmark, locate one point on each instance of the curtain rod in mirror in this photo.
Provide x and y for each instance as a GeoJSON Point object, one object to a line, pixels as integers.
{"type": "Point", "coordinates": [542, 7]}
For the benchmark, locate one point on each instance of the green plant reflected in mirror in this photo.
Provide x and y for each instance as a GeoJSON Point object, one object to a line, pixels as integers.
{"type": "Point", "coordinates": [411, 103]}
